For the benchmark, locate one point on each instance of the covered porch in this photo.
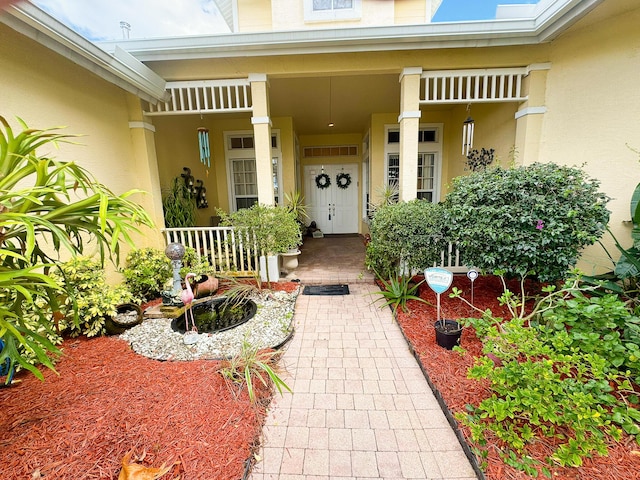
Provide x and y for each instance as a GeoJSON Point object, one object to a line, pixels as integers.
{"type": "Point", "coordinates": [270, 135]}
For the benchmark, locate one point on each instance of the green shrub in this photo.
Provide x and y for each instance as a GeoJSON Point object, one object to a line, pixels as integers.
{"type": "Point", "coordinates": [88, 299]}
{"type": "Point", "coordinates": [531, 220]}
{"type": "Point", "coordinates": [566, 379]}
{"type": "Point", "coordinates": [194, 264]}
{"type": "Point", "coordinates": [599, 324]}
{"type": "Point", "coordinates": [146, 272]}
{"type": "Point", "coordinates": [406, 236]}
{"type": "Point", "coordinates": [38, 319]}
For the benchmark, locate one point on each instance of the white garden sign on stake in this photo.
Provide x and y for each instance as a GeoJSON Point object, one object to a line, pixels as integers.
{"type": "Point", "coordinates": [439, 280]}
{"type": "Point", "coordinates": [472, 275]}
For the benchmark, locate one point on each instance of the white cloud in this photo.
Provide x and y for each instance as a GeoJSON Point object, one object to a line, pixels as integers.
{"type": "Point", "coordinates": [100, 19]}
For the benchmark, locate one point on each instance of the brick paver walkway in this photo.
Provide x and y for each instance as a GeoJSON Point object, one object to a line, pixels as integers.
{"type": "Point", "coordinates": [361, 407]}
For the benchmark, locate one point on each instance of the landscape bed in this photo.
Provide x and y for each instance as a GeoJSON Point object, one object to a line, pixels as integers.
{"type": "Point", "coordinates": [106, 401]}
{"type": "Point", "coordinates": [447, 372]}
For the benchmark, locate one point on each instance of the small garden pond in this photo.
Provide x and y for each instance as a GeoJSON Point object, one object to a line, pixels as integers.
{"type": "Point", "coordinates": [217, 315]}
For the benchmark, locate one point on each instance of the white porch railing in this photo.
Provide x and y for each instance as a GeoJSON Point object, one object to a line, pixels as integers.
{"type": "Point", "coordinates": [232, 253]}
{"type": "Point", "coordinates": [473, 86]}
{"type": "Point", "coordinates": [451, 260]}
{"type": "Point", "coordinates": [227, 250]}
{"type": "Point", "coordinates": [205, 96]}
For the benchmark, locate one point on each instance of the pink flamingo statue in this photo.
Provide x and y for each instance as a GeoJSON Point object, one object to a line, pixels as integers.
{"type": "Point", "coordinates": [187, 298]}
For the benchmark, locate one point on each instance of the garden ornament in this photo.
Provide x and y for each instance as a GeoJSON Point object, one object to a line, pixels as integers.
{"type": "Point", "coordinates": [191, 335]}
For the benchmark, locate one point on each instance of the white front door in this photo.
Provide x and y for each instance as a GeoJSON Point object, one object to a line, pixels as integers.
{"type": "Point", "coordinates": [334, 208]}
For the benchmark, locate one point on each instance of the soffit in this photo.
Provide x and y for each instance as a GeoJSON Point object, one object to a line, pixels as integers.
{"type": "Point", "coordinates": [551, 19]}
{"type": "Point", "coordinates": [119, 68]}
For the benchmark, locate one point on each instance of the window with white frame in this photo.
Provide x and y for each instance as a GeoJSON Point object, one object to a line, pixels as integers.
{"type": "Point", "coordinates": [428, 161]}
{"type": "Point", "coordinates": [330, 10]}
{"type": "Point", "coordinates": [242, 177]}
{"type": "Point", "coordinates": [366, 181]}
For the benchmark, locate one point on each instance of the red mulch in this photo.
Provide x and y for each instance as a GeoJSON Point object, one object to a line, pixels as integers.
{"type": "Point", "coordinates": [447, 371]}
{"type": "Point", "coordinates": [106, 400]}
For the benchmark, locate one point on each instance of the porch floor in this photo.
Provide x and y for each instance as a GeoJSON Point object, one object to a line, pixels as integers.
{"type": "Point", "coordinates": [330, 260]}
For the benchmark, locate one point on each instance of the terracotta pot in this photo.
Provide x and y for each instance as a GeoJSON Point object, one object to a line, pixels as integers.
{"type": "Point", "coordinates": [206, 286]}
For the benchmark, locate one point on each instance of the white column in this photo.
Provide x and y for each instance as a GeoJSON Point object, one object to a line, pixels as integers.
{"type": "Point", "coordinates": [530, 115]}
{"type": "Point", "coordinates": [262, 137]}
{"type": "Point", "coordinates": [409, 121]}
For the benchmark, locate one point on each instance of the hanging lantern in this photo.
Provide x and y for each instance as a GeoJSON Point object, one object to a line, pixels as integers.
{"type": "Point", "coordinates": [203, 142]}
{"type": "Point", "coordinates": [467, 134]}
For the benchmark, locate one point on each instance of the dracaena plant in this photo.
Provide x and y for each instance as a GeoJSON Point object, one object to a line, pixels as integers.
{"type": "Point", "coordinates": [48, 206]}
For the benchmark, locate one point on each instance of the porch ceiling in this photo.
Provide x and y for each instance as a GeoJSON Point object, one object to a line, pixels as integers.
{"type": "Point", "coordinates": [349, 105]}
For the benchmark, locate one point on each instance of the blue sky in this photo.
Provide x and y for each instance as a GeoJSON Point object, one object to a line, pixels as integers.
{"type": "Point", "coordinates": [457, 10]}
{"type": "Point", "coordinates": [100, 19]}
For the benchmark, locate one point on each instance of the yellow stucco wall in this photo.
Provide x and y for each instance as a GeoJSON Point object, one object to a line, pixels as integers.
{"type": "Point", "coordinates": [254, 16]}
{"type": "Point", "coordinates": [257, 16]}
{"type": "Point", "coordinates": [411, 11]}
{"type": "Point", "coordinates": [593, 100]}
{"type": "Point", "coordinates": [48, 91]}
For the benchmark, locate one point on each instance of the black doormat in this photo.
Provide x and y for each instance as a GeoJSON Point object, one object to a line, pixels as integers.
{"type": "Point", "coordinates": [326, 290]}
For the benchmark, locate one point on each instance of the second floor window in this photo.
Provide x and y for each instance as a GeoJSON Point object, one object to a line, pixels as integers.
{"type": "Point", "coordinates": [332, 4]}
{"type": "Point", "coordinates": [332, 10]}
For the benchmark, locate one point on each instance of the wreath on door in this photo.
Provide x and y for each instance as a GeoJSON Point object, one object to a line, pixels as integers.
{"type": "Point", "coordinates": [323, 181]}
{"type": "Point", "coordinates": [343, 180]}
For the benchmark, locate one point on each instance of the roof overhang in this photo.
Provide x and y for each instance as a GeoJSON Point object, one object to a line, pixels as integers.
{"type": "Point", "coordinates": [550, 18]}
{"type": "Point", "coordinates": [119, 68]}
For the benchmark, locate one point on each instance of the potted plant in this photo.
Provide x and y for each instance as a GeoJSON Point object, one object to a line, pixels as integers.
{"type": "Point", "coordinates": [274, 231]}
{"type": "Point", "coordinates": [204, 283]}
{"type": "Point", "coordinates": [295, 205]}
{"type": "Point", "coordinates": [179, 205]}
{"type": "Point", "coordinates": [127, 315]}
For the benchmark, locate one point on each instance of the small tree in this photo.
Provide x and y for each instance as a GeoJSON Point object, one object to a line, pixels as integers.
{"type": "Point", "coordinates": [274, 229]}
{"type": "Point", "coordinates": [522, 221]}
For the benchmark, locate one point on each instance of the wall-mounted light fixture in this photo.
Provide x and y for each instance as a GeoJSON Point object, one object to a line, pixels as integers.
{"type": "Point", "coordinates": [201, 195]}
{"type": "Point", "coordinates": [468, 127]}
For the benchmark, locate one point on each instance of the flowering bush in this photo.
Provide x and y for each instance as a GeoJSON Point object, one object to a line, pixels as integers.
{"type": "Point", "coordinates": [531, 220]}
